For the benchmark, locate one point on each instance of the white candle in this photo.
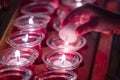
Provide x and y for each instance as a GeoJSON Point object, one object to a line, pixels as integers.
{"type": "Point", "coordinates": [62, 62]}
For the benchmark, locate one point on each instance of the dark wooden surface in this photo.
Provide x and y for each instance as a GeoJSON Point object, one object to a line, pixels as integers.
{"type": "Point", "coordinates": [6, 14]}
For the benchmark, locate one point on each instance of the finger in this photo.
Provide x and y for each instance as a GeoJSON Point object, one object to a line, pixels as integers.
{"type": "Point", "coordinates": [75, 15]}
{"type": "Point", "coordinates": [87, 27]}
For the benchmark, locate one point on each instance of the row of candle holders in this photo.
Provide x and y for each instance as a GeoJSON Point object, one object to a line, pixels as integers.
{"type": "Point", "coordinates": [26, 47]}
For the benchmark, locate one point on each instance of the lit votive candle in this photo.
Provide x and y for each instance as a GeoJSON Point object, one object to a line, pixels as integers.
{"type": "Point", "coordinates": [32, 23]}
{"type": "Point", "coordinates": [56, 42]}
{"type": "Point", "coordinates": [21, 58]}
{"type": "Point", "coordinates": [27, 39]}
{"type": "Point", "coordinates": [60, 59]}
{"type": "Point", "coordinates": [76, 3]}
{"type": "Point", "coordinates": [41, 7]}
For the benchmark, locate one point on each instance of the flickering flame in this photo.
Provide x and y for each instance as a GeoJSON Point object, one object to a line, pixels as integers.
{"type": "Point", "coordinates": [63, 57]}
{"type": "Point", "coordinates": [25, 39]}
{"type": "Point", "coordinates": [31, 20]}
{"type": "Point", "coordinates": [17, 56]}
{"type": "Point", "coordinates": [78, 4]}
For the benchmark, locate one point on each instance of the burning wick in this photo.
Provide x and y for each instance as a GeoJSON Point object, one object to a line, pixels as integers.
{"type": "Point", "coordinates": [25, 39]}
{"type": "Point", "coordinates": [17, 56]}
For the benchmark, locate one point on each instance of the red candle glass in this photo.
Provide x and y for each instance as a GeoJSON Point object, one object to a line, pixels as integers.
{"type": "Point", "coordinates": [56, 42]}
{"type": "Point", "coordinates": [62, 59]}
{"type": "Point", "coordinates": [15, 73]}
{"type": "Point", "coordinates": [39, 7]}
{"type": "Point", "coordinates": [32, 23]}
{"type": "Point", "coordinates": [57, 75]}
{"type": "Point", "coordinates": [18, 58]}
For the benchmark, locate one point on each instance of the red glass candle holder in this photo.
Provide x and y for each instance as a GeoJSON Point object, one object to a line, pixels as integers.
{"type": "Point", "coordinates": [75, 3]}
{"type": "Point", "coordinates": [56, 42]}
{"type": "Point", "coordinates": [61, 59]}
{"type": "Point", "coordinates": [15, 73]}
{"type": "Point", "coordinates": [27, 39]}
{"type": "Point", "coordinates": [57, 75]}
{"type": "Point", "coordinates": [19, 58]}
{"type": "Point", "coordinates": [32, 23]}
{"type": "Point", "coordinates": [41, 7]}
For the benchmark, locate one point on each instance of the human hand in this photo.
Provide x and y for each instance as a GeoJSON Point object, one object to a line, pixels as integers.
{"type": "Point", "coordinates": [89, 18]}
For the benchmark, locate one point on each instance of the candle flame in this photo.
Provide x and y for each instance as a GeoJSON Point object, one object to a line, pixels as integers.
{"type": "Point", "coordinates": [17, 56]}
{"type": "Point", "coordinates": [78, 4]}
{"type": "Point", "coordinates": [63, 58]}
{"type": "Point", "coordinates": [25, 39]}
{"type": "Point", "coordinates": [31, 20]}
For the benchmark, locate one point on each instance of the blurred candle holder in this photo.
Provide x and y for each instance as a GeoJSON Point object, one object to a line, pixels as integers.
{"type": "Point", "coordinates": [61, 59]}
{"type": "Point", "coordinates": [75, 3]}
{"type": "Point", "coordinates": [15, 73]}
{"type": "Point", "coordinates": [57, 75]}
{"type": "Point", "coordinates": [32, 23]}
{"type": "Point", "coordinates": [27, 39]}
{"type": "Point", "coordinates": [19, 58]}
{"type": "Point", "coordinates": [41, 7]}
{"type": "Point", "coordinates": [56, 42]}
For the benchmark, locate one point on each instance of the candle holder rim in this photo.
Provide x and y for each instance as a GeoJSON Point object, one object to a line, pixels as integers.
{"type": "Point", "coordinates": [72, 75]}
{"type": "Point", "coordinates": [17, 33]}
{"type": "Point", "coordinates": [28, 75]}
{"type": "Point", "coordinates": [77, 47]}
{"type": "Point", "coordinates": [9, 51]}
{"type": "Point", "coordinates": [68, 52]}
{"type": "Point", "coordinates": [23, 9]}
{"type": "Point", "coordinates": [41, 25]}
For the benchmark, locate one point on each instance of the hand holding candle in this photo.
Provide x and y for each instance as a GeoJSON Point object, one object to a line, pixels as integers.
{"type": "Point", "coordinates": [56, 42]}
{"type": "Point", "coordinates": [68, 33]}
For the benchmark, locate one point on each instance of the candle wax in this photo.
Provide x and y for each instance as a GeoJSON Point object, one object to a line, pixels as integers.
{"type": "Point", "coordinates": [14, 61]}
{"type": "Point", "coordinates": [60, 63]}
